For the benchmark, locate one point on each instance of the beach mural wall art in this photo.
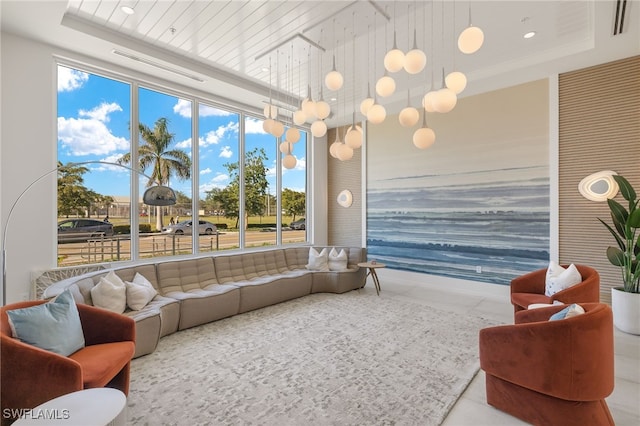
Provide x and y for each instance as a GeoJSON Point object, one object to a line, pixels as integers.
{"type": "Point", "coordinates": [476, 204]}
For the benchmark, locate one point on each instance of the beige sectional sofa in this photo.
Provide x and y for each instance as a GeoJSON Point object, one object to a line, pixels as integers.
{"type": "Point", "coordinates": [196, 291]}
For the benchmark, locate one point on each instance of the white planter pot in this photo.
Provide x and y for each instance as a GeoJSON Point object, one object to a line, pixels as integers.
{"type": "Point", "coordinates": [626, 310]}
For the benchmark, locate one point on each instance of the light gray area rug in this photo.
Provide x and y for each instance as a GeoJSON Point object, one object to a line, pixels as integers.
{"type": "Point", "coordinates": [324, 359]}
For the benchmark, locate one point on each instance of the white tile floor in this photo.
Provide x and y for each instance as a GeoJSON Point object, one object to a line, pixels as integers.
{"type": "Point", "coordinates": [492, 301]}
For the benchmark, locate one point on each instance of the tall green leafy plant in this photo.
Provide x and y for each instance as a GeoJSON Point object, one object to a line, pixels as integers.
{"type": "Point", "coordinates": [626, 223]}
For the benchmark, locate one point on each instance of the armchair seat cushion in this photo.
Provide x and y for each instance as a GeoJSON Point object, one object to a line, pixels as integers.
{"type": "Point", "coordinates": [526, 299]}
{"type": "Point", "coordinates": [100, 363]}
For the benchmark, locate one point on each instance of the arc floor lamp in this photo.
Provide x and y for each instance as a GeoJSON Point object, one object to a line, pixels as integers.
{"type": "Point", "coordinates": [156, 195]}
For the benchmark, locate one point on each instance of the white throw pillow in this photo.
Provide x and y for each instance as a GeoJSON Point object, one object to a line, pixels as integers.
{"type": "Point", "coordinates": [559, 278]}
{"type": "Point", "coordinates": [338, 261]}
{"type": "Point", "coordinates": [570, 311]}
{"type": "Point", "coordinates": [139, 292]}
{"type": "Point", "coordinates": [110, 293]}
{"type": "Point", "coordinates": [318, 261]}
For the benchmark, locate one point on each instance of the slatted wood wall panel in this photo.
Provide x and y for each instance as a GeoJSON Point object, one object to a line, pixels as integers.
{"type": "Point", "coordinates": [345, 224]}
{"type": "Point", "coordinates": [599, 129]}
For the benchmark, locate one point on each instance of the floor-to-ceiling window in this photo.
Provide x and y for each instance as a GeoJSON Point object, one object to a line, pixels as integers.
{"type": "Point", "coordinates": [232, 191]}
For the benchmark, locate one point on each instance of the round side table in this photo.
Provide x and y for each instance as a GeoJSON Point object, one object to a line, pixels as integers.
{"type": "Point", "coordinates": [89, 407]}
{"type": "Point", "coordinates": [372, 271]}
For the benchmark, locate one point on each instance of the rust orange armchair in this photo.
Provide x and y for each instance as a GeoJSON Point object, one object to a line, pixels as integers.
{"type": "Point", "coordinates": [530, 288]}
{"type": "Point", "coordinates": [551, 372]}
{"type": "Point", "coordinates": [31, 376]}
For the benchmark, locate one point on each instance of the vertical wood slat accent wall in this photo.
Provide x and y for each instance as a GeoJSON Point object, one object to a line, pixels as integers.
{"type": "Point", "coordinates": [344, 224]}
{"type": "Point", "coordinates": [599, 129]}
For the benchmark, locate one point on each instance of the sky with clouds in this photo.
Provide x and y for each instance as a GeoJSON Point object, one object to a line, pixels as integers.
{"type": "Point", "coordinates": [93, 125]}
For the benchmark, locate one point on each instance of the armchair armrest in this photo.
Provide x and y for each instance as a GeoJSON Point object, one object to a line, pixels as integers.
{"type": "Point", "coordinates": [570, 359]}
{"type": "Point", "coordinates": [102, 326]}
{"type": "Point", "coordinates": [31, 376]}
{"type": "Point", "coordinates": [533, 282]}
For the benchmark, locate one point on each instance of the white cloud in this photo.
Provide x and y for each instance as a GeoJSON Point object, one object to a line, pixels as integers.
{"type": "Point", "coordinates": [70, 79]}
{"type": "Point", "coordinates": [90, 135]}
{"type": "Point", "coordinates": [225, 152]}
{"type": "Point", "coordinates": [205, 171]}
{"type": "Point", "coordinates": [219, 181]}
{"type": "Point", "coordinates": [185, 144]}
{"type": "Point", "coordinates": [183, 108]}
{"type": "Point", "coordinates": [101, 112]}
{"type": "Point", "coordinates": [215, 136]}
{"type": "Point", "coordinates": [253, 126]}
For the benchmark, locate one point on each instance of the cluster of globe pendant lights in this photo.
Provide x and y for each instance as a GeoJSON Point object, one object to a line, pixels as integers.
{"type": "Point", "coordinates": [413, 62]}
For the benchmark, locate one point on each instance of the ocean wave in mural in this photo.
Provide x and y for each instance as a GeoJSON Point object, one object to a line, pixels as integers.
{"type": "Point", "coordinates": [498, 222]}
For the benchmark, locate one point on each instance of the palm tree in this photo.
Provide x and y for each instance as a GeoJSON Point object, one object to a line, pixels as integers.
{"type": "Point", "coordinates": [154, 152]}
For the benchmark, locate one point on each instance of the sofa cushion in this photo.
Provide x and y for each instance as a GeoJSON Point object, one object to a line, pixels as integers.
{"type": "Point", "coordinates": [559, 278]}
{"type": "Point", "coordinates": [139, 292]}
{"type": "Point", "coordinates": [337, 260]}
{"type": "Point", "coordinates": [186, 275]}
{"type": "Point", "coordinates": [318, 261]}
{"type": "Point", "coordinates": [110, 293]}
{"type": "Point", "coordinates": [54, 326]}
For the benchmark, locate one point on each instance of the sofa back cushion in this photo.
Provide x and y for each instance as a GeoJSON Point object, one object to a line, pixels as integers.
{"type": "Point", "coordinates": [147, 271]}
{"type": "Point", "coordinates": [185, 275]}
{"type": "Point", "coordinates": [297, 257]}
{"type": "Point", "coordinates": [231, 268]}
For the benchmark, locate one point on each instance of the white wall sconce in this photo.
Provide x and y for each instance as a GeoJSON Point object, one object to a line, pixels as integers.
{"type": "Point", "coordinates": [345, 198]}
{"type": "Point", "coordinates": [599, 186]}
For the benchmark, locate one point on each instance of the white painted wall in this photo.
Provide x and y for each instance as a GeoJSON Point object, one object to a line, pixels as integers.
{"type": "Point", "coordinates": [28, 151]}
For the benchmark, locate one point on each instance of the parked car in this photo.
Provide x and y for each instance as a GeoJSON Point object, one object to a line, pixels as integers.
{"type": "Point", "coordinates": [71, 230]}
{"type": "Point", "coordinates": [298, 224]}
{"type": "Point", "coordinates": [185, 227]}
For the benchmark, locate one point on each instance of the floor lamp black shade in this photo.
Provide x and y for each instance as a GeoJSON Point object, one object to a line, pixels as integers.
{"type": "Point", "coordinates": [156, 195]}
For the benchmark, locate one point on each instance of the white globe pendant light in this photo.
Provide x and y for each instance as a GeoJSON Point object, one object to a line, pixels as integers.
{"type": "Point", "coordinates": [408, 117]}
{"type": "Point", "coordinates": [308, 106]}
{"type": "Point", "coordinates": [365, 105]}
{"type": "Point", "coordinates": [285, 147]}
{"type": "Point", "coordinates": [424, 137]}
{"type": "Point", "coordinates": [385, 86]}
{"type": "Point", "coordinates": [445, 100]}
{"type": "Point", "coordinates": [270, 111]}
{"type": "Point", "coordinates": [333, 149]}
{"type": "Point", "coordinates": [376, 114]}
{"type": "Point", "coordinates": [322, 109]}
{"type": "Point", "coordinates": [278, 129]}
{"type": "Point", "coordinates": [299, 117]}
{"type": "Point", "coordinates": [292, 135]}
{"type": "Point", "coordinates": [394, 59]}
{"type": "Point", "coordinates": [415, 59]}
{"type": "Point", "coordinates": [353, 138]}
{"type": "Point", "coordinates": [289, 161]}
{"type": "Point", "coordinates": [456, 81]}
{"type": "Point", "coordinates": [344, 153]}
{"type": "Point", "coordinates": [267, 125]}
{"type": "Point", "coordinates": [333, 80]}
{"type": "Point", "coordinates": [470, 40]}
{"type": "Point", "coordinates": [318, 128]}
{"type": "Point", "coordinates": [367, 102]}
{"type": "Point", "coordinates": [427, 101]}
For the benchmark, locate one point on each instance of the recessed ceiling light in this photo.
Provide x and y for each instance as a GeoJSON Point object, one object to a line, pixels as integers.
{"type": "Point", "coordinates": [333, 99]}
{"type": "Point", "coordinates": [128, 10]}
{"type": "Point", "coordinates": [530, 34]}
{"type": "Point", "coordinates": [265, 69]}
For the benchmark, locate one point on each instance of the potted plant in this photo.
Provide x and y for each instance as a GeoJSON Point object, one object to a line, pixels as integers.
{"type": "Point", "coordinates": [625, 300]}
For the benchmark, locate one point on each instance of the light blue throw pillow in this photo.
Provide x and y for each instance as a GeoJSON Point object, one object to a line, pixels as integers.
{"type": "Point", "coordinates": [54, 326]}
{"type": "Point", "coordinates": [568, 312]}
